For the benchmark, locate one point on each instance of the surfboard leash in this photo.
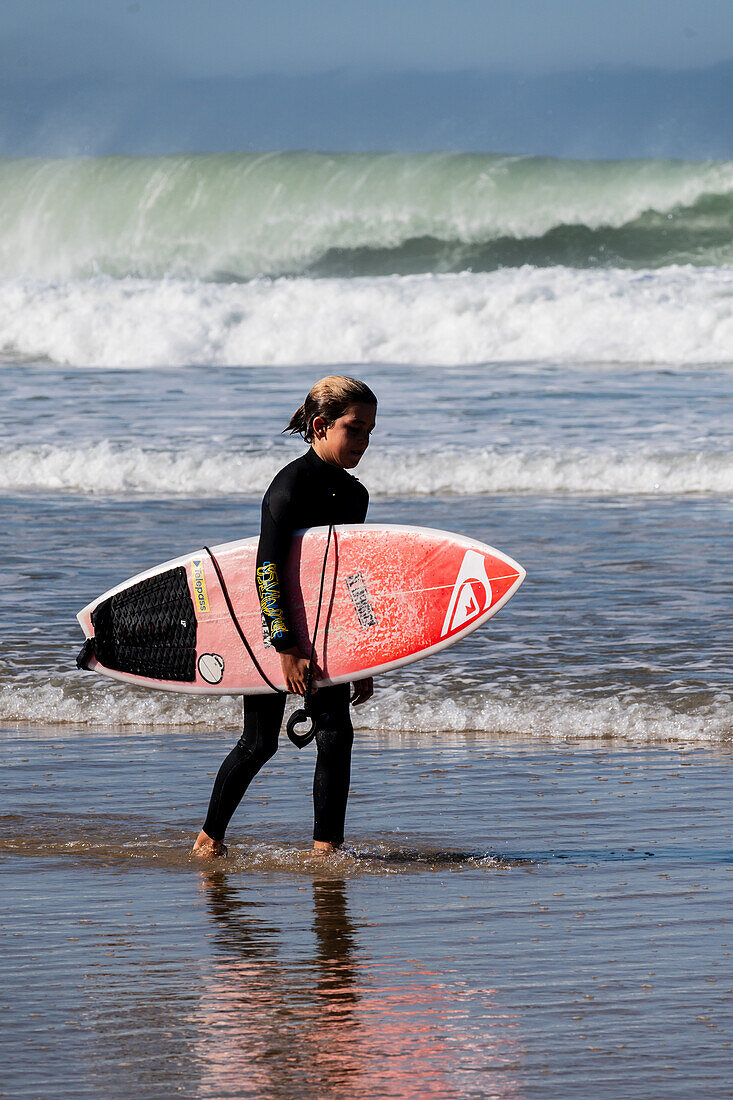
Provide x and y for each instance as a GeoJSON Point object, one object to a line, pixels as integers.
{"type": "Point", "coordinates": [235, 620]}
{"type": "Point", "coordinates": [300, 740]}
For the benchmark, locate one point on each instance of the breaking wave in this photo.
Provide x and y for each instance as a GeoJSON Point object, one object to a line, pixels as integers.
{"type": "Point", "coordinates": [108, 468]}
{"type": "Point", "coordinates": [69, 700]}
{"type": "Point", "coordinates": [237, 216]}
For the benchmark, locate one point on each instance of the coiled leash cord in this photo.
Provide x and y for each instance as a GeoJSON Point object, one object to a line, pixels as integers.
{"type": "Point", "coordinates": [300, 740]}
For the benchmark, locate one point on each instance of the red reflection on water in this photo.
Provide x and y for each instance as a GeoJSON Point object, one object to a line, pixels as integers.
{"type": "Point", "coordinates": [282, 1017]}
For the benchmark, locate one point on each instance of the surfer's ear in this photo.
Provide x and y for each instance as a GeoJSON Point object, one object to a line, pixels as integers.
{"type": "Point", "coordinates": [319, 427]}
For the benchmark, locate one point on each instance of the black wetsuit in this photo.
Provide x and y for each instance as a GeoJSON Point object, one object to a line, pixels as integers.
{"type": "Point", "coordinates": [306, 493]}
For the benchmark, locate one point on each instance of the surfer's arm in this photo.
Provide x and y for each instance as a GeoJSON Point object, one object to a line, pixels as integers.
{"type": "Point", "coordinates": [271, 557]}
{"type": "Point", "coordinates": [295, 671]}
{"type": "Point", "coordinates": [272, 553]}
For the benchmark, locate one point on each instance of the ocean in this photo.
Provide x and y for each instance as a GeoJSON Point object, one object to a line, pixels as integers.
{"type": "Point", "coordinates": [551, 343]}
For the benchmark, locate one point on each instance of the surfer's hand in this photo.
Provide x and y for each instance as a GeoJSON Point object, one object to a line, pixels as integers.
{"type": "Point", "coordinates": [295, 670]}
{"type": "Point", "coordinates": [363, 690]}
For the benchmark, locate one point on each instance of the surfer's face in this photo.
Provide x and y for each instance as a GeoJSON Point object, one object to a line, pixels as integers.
{"type": "Point", "coordinates": [344, 442]}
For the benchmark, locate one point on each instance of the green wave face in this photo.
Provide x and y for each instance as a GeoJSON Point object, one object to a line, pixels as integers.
{"type": "Point", "coordinates": [238, 216]}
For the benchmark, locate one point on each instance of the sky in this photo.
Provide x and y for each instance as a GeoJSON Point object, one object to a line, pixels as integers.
{"type": "Point", "coordinates": [294, 37]}
{"type": "Point", "coordinates": [588, 78]}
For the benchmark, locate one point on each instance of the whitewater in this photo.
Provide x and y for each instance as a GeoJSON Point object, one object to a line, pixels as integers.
{"type": "Point", "coordinates": [396, 710]}
{"type": "Point", "coordinates": [306, 258]}
{"type": "Point", "coordinates": [106, 468]}
{"type": "Point", "coordinates": [678, 315]}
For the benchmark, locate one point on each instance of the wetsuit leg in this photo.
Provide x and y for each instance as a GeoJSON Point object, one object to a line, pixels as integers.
{"type": "Point", "coordinates": [263, 715]}
{"type": "Point", "coordinates": [334, 738]}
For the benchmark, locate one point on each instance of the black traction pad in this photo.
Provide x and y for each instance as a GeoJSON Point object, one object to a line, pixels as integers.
{"type": "Point", "coordinates": [149, 629]}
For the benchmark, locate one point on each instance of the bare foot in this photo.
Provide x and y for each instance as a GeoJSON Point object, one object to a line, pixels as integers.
{"type": "Point", "coordinates": [324, 847]}
{"type": "Point", "coordinates": [205, 847]}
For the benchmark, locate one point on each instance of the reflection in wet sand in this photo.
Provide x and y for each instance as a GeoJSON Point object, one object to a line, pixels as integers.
{"type": "Point", "coordinates": [567, 926]}
{"type": "Point", "coordinates": [336, 946]}
{"type": "Point", "coordinates": [335, 1020]}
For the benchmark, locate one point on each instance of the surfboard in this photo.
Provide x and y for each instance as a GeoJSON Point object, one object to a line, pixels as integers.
{"type": "Point", "coordinates": [391, 595]}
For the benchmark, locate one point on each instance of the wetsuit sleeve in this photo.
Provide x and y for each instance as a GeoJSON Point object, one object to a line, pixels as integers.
{"type": "Point", "coordinates": [275, 537]}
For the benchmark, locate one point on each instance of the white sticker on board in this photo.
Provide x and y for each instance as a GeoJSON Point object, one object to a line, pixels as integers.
{"type": "Point", "coordinates": [211, 667]}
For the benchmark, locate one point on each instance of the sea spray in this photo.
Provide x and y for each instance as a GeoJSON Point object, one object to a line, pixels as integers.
{"type": "Point", "coordinates": [237, 216]}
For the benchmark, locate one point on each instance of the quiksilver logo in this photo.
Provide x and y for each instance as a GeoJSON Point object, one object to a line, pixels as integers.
{"type": "Point", "coordinates": [471, 593]}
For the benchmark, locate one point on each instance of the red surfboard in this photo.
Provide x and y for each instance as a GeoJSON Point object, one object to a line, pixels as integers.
{"type": "Point", "coordinates": [391, 595]}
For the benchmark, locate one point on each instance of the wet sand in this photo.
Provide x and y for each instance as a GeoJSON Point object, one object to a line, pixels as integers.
{"type": "Point", "coordinates": [511, 918]}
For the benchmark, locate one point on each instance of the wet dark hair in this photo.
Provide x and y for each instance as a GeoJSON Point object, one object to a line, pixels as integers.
{"type": "Point", "coordinates": [329, 398]}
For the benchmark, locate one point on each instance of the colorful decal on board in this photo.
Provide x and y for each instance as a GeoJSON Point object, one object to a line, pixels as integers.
{"type": "Point", "coordinates": [200, 595]}
{"type": "Point", "coordinates": [211, 667]}
{"type": "Point", "coordinates": [268, 586]}
{"type": "Point", "coordinates": [471, 594]}
{"type": "Point", "coordinates": [360, 599]}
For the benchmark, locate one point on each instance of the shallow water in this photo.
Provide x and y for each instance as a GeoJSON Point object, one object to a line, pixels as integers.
{"type": "Point", "coordinates": [612, 486]}
{"type": "Point", "coordinates": [510, 918]}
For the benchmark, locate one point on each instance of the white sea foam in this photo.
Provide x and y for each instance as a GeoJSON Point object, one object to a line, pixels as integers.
{"type": "Point", "coordinates": [553, 715]}
{"type": "Point", "coordinates": [676, 315]}
{"type": "Point", "coordinates": [62, 699]}
{"type": "Point", "coordinates": [75, 700]}
{"type": "Point", "coordinates": [573, 470]}
{"type": "Point", "coordinates": [106, 468]}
